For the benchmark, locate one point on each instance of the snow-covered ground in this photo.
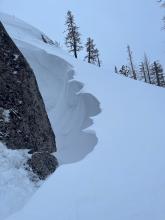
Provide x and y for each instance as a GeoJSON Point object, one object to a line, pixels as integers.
{"type": "Point", "coordinates": [123, 177]}
{"type": "Point", "coordinates": [15, 184]}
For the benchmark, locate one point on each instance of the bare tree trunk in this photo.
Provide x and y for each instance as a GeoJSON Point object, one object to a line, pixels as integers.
{"type": "Point", "coordinates": [131, 62]}
{"type": "Point", "coordinates": [98, 60]}
{"type": "Point", "coordinates": [144, 73]}
{"type": "Point", "coordinates": [74, 45]}
{"type": "Point", "coordinates": [75, 50]}
{"type": "Point", "coordinates": [116, 70]}
{"type": "Point", "coordinates": [147, 68]}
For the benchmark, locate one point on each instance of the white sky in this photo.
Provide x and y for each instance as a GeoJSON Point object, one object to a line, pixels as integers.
{"type": "Point", "coordinates": [112, 23]}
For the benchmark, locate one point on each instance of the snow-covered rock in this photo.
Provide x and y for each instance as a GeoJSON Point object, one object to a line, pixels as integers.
{"type": "Point", "coordinates": [24, 121]}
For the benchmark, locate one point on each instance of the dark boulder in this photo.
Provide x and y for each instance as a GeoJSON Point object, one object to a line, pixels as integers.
{"type": "Point", "coordinates": [43, 164]}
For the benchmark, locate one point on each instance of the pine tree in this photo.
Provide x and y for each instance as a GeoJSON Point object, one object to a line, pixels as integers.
{"type": "Point", "coordinates": [157, 72]}
{"type": "Point", "coordinates": [130, 58]}
{"type": "Point", "coordinates": [162, 3]}
{"type": "Point", "coordinates": [124, 70]}
{"type": "Point", "coordinates": [72, 39]}
{"type": "Point", "coordinates": [92, 52]}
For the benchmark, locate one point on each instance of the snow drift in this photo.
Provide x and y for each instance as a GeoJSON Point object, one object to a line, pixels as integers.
{"type": "Point", "coordinates": [123, 178]}
{"type": "Point", "coordinates": [69, 108]}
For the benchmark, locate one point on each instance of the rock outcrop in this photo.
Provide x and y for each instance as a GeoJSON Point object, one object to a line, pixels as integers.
{"type": "Point", "coordinates": [24, 123]}
{"type": "Point", "coordinates": [43, 164]}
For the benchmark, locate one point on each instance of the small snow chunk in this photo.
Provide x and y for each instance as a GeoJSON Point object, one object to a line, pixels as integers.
{"type": "Point", "coordinates": [15, 72]}
{"type": "Point", "coordinates": [2, 134]}
{"type": "Point", "coordinates": [5, 115]}
{"type": "Point", "coordinates": [20, 102]}
{"type": "Point", "coordinates": [19, 131]}
{"type": "Point", "coordinates": [16, 57]}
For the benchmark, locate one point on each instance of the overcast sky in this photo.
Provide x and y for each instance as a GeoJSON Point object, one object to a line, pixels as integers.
{"type": "Point", "coordinates": [112, 23]}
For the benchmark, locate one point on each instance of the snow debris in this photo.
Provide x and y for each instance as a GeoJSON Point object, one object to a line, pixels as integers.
{"type": "Point", "coordinates": [15, 184]}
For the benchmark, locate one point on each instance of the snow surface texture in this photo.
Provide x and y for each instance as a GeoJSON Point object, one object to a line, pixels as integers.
{"type": "Point", "coordinates": [123, 178]}
{"type": "Point", "coordinates": [15, 185]}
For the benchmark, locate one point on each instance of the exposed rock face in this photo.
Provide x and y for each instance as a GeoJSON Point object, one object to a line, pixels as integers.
{"type": "Point", "coordinates": [43, 164]}
{"type": "Point", "coordinates": [24, 123]}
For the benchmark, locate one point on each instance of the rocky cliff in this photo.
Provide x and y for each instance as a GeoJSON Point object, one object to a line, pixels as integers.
{"type": "Point", "coordinates": [24, 123]}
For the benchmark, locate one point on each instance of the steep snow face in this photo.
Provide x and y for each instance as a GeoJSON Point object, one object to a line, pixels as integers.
{"type": "Point", "coordinates": [69, 109]}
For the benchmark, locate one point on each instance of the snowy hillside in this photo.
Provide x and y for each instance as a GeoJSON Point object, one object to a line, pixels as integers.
{"type": "Point", "coordinates": [123, 176]}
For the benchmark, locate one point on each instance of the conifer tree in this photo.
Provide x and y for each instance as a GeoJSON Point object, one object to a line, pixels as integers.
{"type": "Point", "coordinates": [157, 72]}
{"type": "Point", "coordinates": [124, 70]}
{"type": "Point", "coordinates": [162, 3]}
{"type": "Point", "coordinates": [92, 52]}
{"type": "Point", "coordinates": [72, 39]}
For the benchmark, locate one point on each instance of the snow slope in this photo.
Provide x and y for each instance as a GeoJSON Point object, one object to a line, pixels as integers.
{"type": "Point", "coordinates": [123, 177]}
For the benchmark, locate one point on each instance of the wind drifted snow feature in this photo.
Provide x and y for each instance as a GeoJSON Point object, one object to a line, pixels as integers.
{"type": "Point", "coordinates": [119, 173]}
{"type": "Point", "coordinates": [70, 110]}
